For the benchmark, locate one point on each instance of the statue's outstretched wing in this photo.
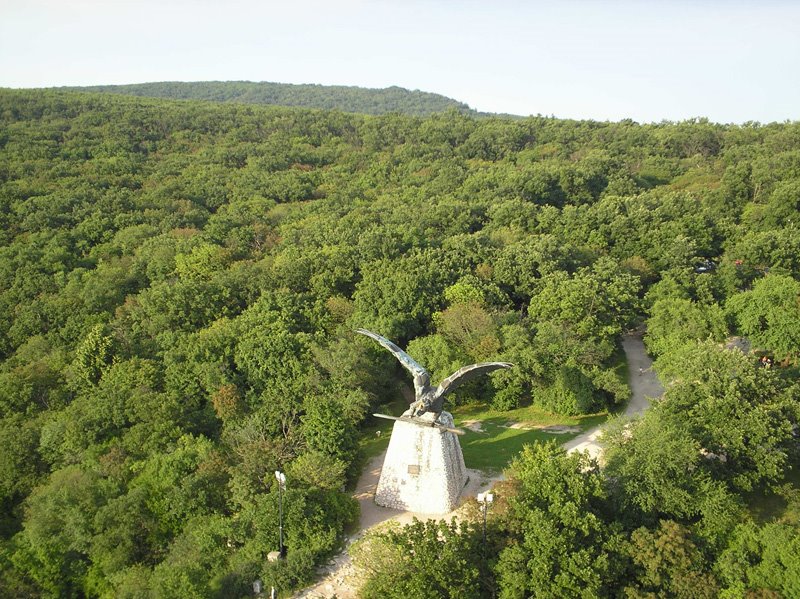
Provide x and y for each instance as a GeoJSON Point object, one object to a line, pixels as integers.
{"type": "Point", "coordinates": [462, 375]}
{"type": "Point", "coordinates": [421, 376]}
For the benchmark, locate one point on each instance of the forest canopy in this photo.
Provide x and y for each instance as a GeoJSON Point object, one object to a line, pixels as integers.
{"type": "Point", "coordinates": [180, 282]}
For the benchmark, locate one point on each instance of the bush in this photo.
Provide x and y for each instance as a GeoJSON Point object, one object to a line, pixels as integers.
{"type": "Point", "coordinates": [570, 393]}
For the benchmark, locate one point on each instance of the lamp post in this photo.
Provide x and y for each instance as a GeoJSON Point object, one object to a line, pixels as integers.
{"type": "Point", "coordinates": [281, 478]}
{"type": "Point", "coordinates": [485, 499]}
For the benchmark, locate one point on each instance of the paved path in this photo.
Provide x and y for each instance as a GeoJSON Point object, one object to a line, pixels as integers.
{"type": "Point", "coordinates": [644, 386]}
{"type": "Point", "coordinates": [339, 574]}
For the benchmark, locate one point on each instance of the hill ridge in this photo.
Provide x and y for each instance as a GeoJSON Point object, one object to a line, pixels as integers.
{"type": "Point", "coordinates": [346, 98]}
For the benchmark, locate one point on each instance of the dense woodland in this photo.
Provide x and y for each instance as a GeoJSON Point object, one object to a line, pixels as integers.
{"type": "Point", "coordinates": [180, 281]}
{"type": "Point", "coordinates": [328, 97]}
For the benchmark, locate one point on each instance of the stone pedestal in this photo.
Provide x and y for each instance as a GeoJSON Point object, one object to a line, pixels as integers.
{"type": "Point", "coordinates": [424, 468]}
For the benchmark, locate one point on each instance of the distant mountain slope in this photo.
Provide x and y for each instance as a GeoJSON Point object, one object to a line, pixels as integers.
{"type": "Point", "coordinates": [340, 97]}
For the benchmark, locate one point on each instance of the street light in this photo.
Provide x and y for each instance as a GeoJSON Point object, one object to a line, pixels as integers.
{"type": "Point", "coordinates": [281, 478]}
{"type": "Point", "coordinates": [485, 499]}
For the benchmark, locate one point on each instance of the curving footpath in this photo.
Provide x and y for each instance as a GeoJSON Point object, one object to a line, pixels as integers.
{"type": "Point", "coordinates": [644, 386]}
{"type": "Point", "coordinates": [339, 573]}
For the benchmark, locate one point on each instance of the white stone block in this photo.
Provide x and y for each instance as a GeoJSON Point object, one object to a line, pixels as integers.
{"type": "Point", "coordinates": [424, 468]}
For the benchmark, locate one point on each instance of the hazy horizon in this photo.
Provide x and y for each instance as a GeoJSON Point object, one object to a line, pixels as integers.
{"type": "Point", "coordinates": [727, 61]}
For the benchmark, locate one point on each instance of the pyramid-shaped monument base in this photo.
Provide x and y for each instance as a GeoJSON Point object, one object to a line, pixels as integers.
{"type": "Point", "coordinates": [424, 468]}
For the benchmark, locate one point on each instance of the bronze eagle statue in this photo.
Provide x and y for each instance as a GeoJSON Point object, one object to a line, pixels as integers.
{"type": "Point", "coordinates": [426, 397]}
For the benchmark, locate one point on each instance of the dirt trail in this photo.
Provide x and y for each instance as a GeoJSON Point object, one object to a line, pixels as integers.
{"type": "Point", "coordinates": [339, 573]}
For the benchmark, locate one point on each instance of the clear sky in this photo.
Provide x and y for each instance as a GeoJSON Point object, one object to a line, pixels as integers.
{"type": "Point", "coordinates": [728, 60]}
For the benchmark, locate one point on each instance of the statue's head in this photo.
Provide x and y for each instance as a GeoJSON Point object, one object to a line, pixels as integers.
{"type": "Point", "coordinates": [422, 384]}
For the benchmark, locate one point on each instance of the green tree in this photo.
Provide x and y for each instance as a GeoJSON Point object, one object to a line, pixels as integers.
{"type": "Point", "coordinates": [593, 306]}
{"type": "Point", "coordinates": [53, 546]}
{"type": "Point", "coordinates": [21, 466]}
{"type": "Point", "coordinates": [471, 328]}
{"type": "Point", "coordinates": [769, 315]}
{"type": "Point", "coordinates": [560, 542]}
{"type": "Point", "coordinates": [675, 321]}
{"type": "Point", "coordinates": [762, 558]}
{"type": "Point", "coordinates": [398, 298]}
{"type": "Point", "coordinates": [656, 467]}
{"type": "Point", "coordinates": [669, 564]}
{"type": "Point", "coordinates": [330, 422]}
{"type": "Point", "coordinates": [423, 559]}
{"type": "Point", "coordinates": [571, 393]}
{"type": "Point", "coordinates": [733, 409]}
{"type": "Point", "coordinates": [92, 356]}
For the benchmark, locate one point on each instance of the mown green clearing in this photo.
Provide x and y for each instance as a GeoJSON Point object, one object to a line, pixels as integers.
{"type": "Point", "coordinates": [491, 449]}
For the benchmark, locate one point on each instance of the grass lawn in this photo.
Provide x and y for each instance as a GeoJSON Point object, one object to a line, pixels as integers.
{"type": "Point", "coordinates": [372, 444]}
{"type": "Point", "coordinates": [491, 449]}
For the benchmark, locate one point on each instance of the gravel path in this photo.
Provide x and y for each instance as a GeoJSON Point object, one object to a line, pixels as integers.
{"type": "Point", "coordinates": [339, 574]}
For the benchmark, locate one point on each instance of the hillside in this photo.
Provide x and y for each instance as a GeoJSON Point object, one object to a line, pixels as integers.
{"type": "Point", "coordinates": [328, 97]}
{"type": "Point", "coordinates": [180, 282]}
